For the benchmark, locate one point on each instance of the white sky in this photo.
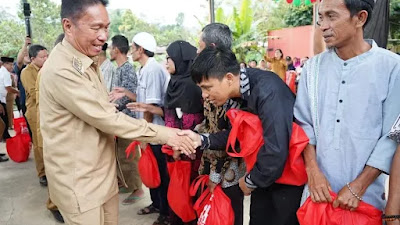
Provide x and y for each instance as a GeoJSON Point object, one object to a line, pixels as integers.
{"type": "Point", "coordinates": [153, 11]}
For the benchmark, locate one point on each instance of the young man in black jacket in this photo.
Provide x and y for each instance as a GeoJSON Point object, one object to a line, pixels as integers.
{"type": "Point", "coordinates": [218, 74]}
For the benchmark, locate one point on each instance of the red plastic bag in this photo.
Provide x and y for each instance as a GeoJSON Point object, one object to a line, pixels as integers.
{"type": "Point", "coordinates": [179, 198]}
{"type": "Point", "coordinates": [198, 187]}
{"type": "Point", "coordinates": [247, 129]}
{"type": "Point", "coordinates": [167, 150]}
{"type": "Point", "coordinates": [148, 167]}
{"type": "Point", "coordinates": [20, 126]}
{"type": "Point", "coordinates": [215, 208]}
{"type": "Point", "coordinates": [294, 172]}
{"type": "Point", "coordinates": [18, 147]}
{"type": "Point", "coordinates": [291, 80]}
{"type": "Point", "coordinates": [324, 214]}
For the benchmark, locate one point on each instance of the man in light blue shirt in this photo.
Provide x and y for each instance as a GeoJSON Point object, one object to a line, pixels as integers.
{"type": "Point", "coordinates": [348, 98]}
{"type": "Point", "coordinates": [152, 84]}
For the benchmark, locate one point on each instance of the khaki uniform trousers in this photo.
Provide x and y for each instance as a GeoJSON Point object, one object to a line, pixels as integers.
{"type": "Point", "coordinates": [106, 214]}
{"type": "Point", "coordinates": [37, 149]}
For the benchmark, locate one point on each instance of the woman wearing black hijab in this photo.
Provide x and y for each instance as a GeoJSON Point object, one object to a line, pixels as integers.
{"type": "Point", "coordinates": [183, 105]}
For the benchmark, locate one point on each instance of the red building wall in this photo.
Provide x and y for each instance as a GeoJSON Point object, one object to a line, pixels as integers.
{"type": "Point", "coordinates": [294, 42]}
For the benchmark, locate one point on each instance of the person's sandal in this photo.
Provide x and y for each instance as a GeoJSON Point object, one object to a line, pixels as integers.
{"type": "Point", "coordinates": [3, 159]}
{"type": "Point", "coordinates": [148, 210]}
{"type": "Point", "coordinates": [131, 199]}
{"type": "Point", "coordinates": [162, 220]}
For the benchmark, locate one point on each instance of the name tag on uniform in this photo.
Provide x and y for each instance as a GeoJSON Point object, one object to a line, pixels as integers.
{"type": "Point", "coordinates": [77, 64]}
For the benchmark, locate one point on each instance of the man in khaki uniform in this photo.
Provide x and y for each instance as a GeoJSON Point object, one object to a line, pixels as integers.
{"type": "Point", "coordinates": [49, 204]}
{"type": "Point", "coordinates": [38, 55]}
{"type": "Point", "coordinates": [78, 124]}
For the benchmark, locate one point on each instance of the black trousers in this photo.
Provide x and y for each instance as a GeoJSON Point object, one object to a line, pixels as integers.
{"type": "Point", "coordinates": [236, 195]}
{"type": "Point", "coordinates": [4, 117]}
{"type": "Point", "coordinates": [159, 195]}
{"type": "Point", "coordinates": [275, 205]}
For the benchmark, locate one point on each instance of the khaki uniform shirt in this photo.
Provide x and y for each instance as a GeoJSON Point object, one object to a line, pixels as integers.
{"type": "Point", "coordinates": [28, 79]}
{"type": "Point", "coordinates": [78, 125]}
{"type": "Point", "coordinates": [39, 134]}
{"type": "Point", "coordinates": [278, 66]}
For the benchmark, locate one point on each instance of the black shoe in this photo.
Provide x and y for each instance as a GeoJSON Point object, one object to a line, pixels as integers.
{"type": "Point", "coordinates": [57, 215]}
{"type": "Point", "coordinates": [43, 181]}
{"type": "Point", "coordinates": [3, 159]}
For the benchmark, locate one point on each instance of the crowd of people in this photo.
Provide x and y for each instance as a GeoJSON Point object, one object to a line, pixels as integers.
{"type": "Point", "coordinates": [93, 106]}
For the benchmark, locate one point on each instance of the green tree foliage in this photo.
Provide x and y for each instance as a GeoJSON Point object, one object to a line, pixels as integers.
{"type": "Point", "coordinates": [46, 26]}
{"type": "Point", "coordinates": [394, 19]}
{"type": "Point", "coordinates": [242, 24]}
{"type": "Point", "coordinates": [299, 16]}
{"type": "Point", "coordinates": [126, 23]}
{"type": "Point", "coordinates": [45, 23]}
{"type": "Point", "coordinates": [11, 36]}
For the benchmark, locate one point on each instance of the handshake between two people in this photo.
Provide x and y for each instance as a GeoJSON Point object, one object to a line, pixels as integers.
{"type": "Point", "coordinates": [183, 142]}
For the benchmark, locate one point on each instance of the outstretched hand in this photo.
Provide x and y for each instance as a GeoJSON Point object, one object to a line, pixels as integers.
{"type": "Point", "coordinates": [138, 107]}
{"type": "Point", "coordinates": [181, 142]}
{"type": "Point", "coordinates": [195, 139]}
{"type": "Point", "coordinates": [116, 94]}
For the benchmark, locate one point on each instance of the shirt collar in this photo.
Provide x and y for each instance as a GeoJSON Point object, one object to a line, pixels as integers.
{"type": "Point", "coordinates": [361, 57]}
{"type": "Point", "coordinates": [244, 84]}
{"type": "Point", "coordinates": [35, 67]}
{"type": "Point", "coordinates": [86, 60]}
{"type": "Point", "coordinates": [3, 70]}
{"type": "Point", "coordinates": [149, 61]}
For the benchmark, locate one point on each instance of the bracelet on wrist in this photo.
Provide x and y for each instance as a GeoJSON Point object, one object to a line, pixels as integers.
{"type": "Point", "coordinates": [353, 193]}
{"type": "Point", "coordinates": [390, 217]}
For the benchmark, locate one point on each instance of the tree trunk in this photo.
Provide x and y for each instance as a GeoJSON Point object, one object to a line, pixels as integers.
{"type": "Point", "coordinates": [378, 26]}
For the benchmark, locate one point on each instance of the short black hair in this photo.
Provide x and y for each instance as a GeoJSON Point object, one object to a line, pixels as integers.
{"type": "Point", "coordinates": [288, 58]}
{"type": "Point", "coordinates": [35, 49]}
{"type": "Point", "coordinates": [146, 52]}
{"type": "Point", "coordinates": [253, 60]}
{"type": "Point", "coordinates": [214, 63]}
{"type": "Point", "coordinates": [355, 6]}
{"type": "Point", "coordinates": [73, 9]}
{"type": "Point", "coordinates": [219, 34]}
{"type": "Point", "coordinates": [120, 42]}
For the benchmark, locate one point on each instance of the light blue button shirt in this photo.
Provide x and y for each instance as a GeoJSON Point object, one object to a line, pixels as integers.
{"type": "Point", "coordinates": [152, 85]}
{"type": "Point", "coordinates": [358, 102]}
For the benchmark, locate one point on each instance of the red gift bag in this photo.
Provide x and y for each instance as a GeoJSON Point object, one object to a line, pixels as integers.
{"type": "Point", "coordinates": [294, 172]}
{"type": "Point", "coordinates": [291, 80]}
{"type": "Point", "coordinates": [20, 126]}
{"type": "Point", "coordinates": [198, 188]}
{"type": "Point", "coordinates": [324, 214]}
{"type": "Point", "coordinates": [18, 147]}
{"type": "Point", "coordinates": [148, 167]}
{"type": "Point", "coordinates": [216, 208]}
{"type": "Point", "coordinates": [247, 129]}
{"type": "Point", "coordinates": [179, 198]}
{"type": "Point", "coordinates": [167, 150]}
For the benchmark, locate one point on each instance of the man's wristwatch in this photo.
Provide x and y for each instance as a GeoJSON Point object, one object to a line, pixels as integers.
{"type": "Point", "coordinates": [205, 141]}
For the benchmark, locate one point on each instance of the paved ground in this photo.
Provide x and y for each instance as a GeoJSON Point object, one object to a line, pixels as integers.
{"type": "Point", "coordinates": [22, 200]}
